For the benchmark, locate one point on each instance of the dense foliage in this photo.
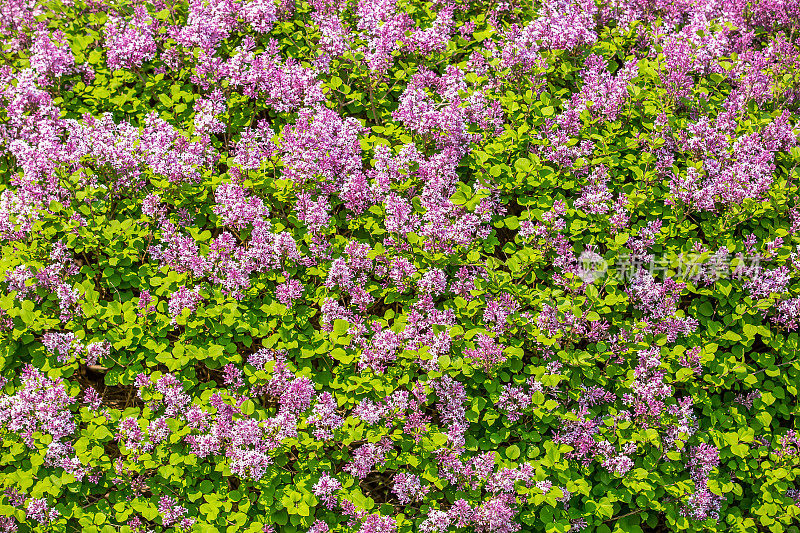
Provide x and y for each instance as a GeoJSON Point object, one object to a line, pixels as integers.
{"type": "Point", "coordinates": [385, 266]}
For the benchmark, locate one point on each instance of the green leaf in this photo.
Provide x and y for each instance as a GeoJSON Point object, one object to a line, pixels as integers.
{"type": "Point", "coordinates": [340, 327]}
{"type": "Point", "coordinates": [512, 452]}
{"type": "Point", "coordinates": [742, 450]}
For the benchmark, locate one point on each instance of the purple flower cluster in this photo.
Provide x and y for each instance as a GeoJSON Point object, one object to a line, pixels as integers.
{"type": "Point", "coordinates": [408, 488]}
{"type": "Point", "coordinates": [367, 456]}
{"type": "Point", "coordinates": [39, 510]}
{"type": "Point", "coordinates": [172, 514]}
{"type": "Point", "coordinates": [41, 405]}
{"type": "Point", "coordinates": [129, 41]}
{"type": "Point", "coordinates": [487, 353]}
{"type": "Point", "coordinates": [703, 503]}
{"type": "Point", "coordinates": [184, 299]}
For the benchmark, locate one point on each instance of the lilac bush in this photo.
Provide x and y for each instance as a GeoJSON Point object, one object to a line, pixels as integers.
{"type": "Point", "coordinates": [387, 266]}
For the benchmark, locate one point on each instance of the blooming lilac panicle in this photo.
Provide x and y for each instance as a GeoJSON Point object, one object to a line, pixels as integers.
{"type": "Point", "coordinates": [255, 146]}
{"type": "Point", "coordinates": [691, 359]}
{"type": "Point", "coordinates": [488, 353]}
{"type": "Point", "coordinates": [369, 411]}
{"type": "Point", "coordinates": [325, 490]}
{"type": "Point", "coordinates": [207, 111]}
{"type": "Point", "coordinates": [498, 310]}
{"type": "Point", "coordinates": [158, 431]}
{"type": "Point", "coordinates": [461, 513]}
{"type": "Point", "coordinates": [384, 28]}
{"type": "Point", "coordinates": [496, 516]}
{"type": "Point", "coordinates": [174, 396]}
{"type": "Point", "coordinates": [366, 457]}
{"type": "Point", "coordinates": [619, 464]}
{"type": "Point", "coordinates": [38, 510]}
{"type": "Point", "coordinates": [196, 418]}
{"type": "Point", "coordinates": [768, 281]}
{"type": "Point", "coordinates": [376, 523]}
{"type": "Point", "coordinates": [171, 513]}
{"type": "Point", "coordinates": [580, 434]}
{"type": "Point", "coordinates": [187, 523]}
{"type": "Point", "coordinates": [130, 42]}
{"type": "Point", "coordinates": [141, 381]}
{"type": "Point", "coordinates": [703, 460]}
{"type": "Point", "coordinates": [333, 41]}
{"type": "Point", "coordinates": [748, 398]}
{"type": "Point", "coordinates": [237, 207]}
{"type": "Point", "coordinates": [208, 23]}
{"type": "Point", "coordinates": [66, 346]}
{"type": "Point", "coordinates": [168, 151]}
{"type": "Point", "coordinates": [324, 417]}
{"type": "Point", "coordinates": [51, 54]}
{"type": "Point", "coordinates": [92, 398]}
{"type": "Point", "coordinates": [595, 198]}
{"type": "Point", "coordinates": [513, 401]}
{"type": "Point", "coordinates": [62, 455]}
{"type": "Point", "coordinates": [130, 435]}
{"type": "Point", "coordinates": [436, 521]}
{"type": "Point", "coordinates": [381, 351]}
{"type": "Point", "coordinates": [319, 526]}
{"type": "Point", "coordinates": [323, 148]}
{"type": "Point", "coordinates": [452, 397]}
{"type": "Point", "coordinates": [17, 281]}
{"type": "Point", "coordinates": [233, 376]}
{"type": "Point", "coordinates": [578, 524]}
{"type": "Point", "coordinates": [41, 405]}
{"type": "Point", "coordinates": [8, 524]}
{"type": "Point", "coordinates": [407, 488]}
{"type": "Point", "coordinates": [260, 14]}
{"type": "Point", "coordinates": [285, 84]}
{"type": "Point", "coordinates": [561, 25]}
{"type": "Point", "coordinates": [607, 94]}
{"type": "Point", "coordinates": [15, 497]}
{"type": "Point", "coordinates": [289, 291]}
{"type": "Point", "coordinates": [96, 351]}
{"type": "Point", "coordinates": [297, 396]}
{"type": "Point", "coordinates": [182, 299]}
{"type": "Point", "coordinates": [249, 446]}
{"type": "Point", "coordinates": [703, 503]}
{"type": "Point", "coordinates": [263, 356]}
{"type": "Point", "coordinates": [434, 282]}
